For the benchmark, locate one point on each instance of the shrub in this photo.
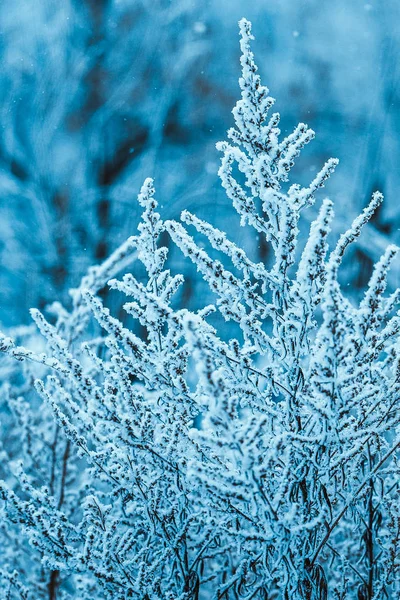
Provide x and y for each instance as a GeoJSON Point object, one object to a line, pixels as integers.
{"type": "Point", "coordinates": [254, 457]}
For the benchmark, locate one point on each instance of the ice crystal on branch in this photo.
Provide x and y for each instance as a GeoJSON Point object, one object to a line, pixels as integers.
{"type": "Point", "coordinates": [257, 459]}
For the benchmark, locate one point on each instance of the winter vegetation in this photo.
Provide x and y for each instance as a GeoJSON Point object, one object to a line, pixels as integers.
{"type": "Point", "coordinates": [97, 95]}
{"type": "Point", "coordinates": [245, 449]}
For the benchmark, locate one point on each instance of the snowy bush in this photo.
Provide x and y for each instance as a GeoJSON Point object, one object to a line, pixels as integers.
{"type": "Point", "coordinates": [246, 450]}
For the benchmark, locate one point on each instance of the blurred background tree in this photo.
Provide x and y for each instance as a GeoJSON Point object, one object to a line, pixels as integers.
{"type": "Point", "coordinates": [96, 95]}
